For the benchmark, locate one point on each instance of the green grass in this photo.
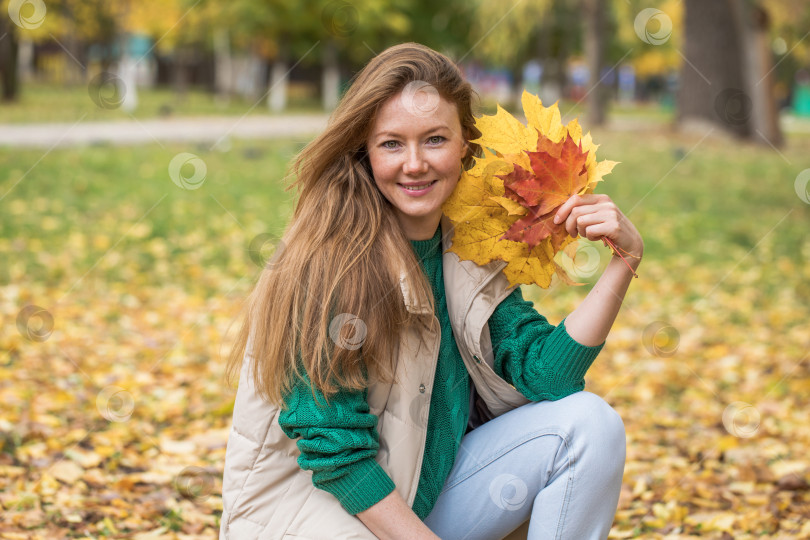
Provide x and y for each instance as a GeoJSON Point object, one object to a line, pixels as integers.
{"type": "Point", "coordinates": [647, 112]}
{"type": "Point", "coordinates": [76, 205]}
{"type": "Point", "coordinates": [711, 200]}
{"type": "Point", "coordinates": [720, 221]}
{"type": "Point", "coordinates": [69, 103]}
{"type": "Point", "coordinates": [713, 204]}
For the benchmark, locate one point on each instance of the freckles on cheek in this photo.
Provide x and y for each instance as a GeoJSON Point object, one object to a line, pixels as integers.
{"type": "Point", "coordinates": [382, 167]}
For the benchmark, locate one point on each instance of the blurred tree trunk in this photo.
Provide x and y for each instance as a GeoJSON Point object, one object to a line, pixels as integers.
{"type": "Point", "coordinates": [223, 65]}
{"type": "Point", "coordinates": [595, 49]}
{"type": "Point", "coordinates": [554, 47]}
{"type": "Point", "coordinates": [563, 20]}
{"type": "Point", "coordinates": [9, 83]}
{"type": "Point", "coordinates": [725, 78]}
{"type": "Point", "coordinates": [330, 79]}
{"type": "Point", "coordinates": [25, 60]}
{"type": "Point", "coordinates": [181, 71]}
{"type": "Point", "coordinates": [277, 98]}
{"type": "Point", "coordinates": [758, 70]}
{"type": "Point", "coordinates": [712, 63]}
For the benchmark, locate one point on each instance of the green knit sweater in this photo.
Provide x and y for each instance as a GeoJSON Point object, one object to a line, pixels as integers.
{"type": "Point", "coordinates": [338, 443]}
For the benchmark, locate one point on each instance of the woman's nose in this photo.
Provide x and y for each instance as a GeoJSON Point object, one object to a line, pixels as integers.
{"type": "Point", "coordinates": [415, 162]}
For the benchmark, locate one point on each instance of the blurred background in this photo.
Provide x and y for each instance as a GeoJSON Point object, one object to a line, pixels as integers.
{"type": "Point", "coordinates": [143, 186]}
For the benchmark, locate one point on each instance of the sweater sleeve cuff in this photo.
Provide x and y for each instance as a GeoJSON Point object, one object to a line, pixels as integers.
{"type": "Point", "coordinates": [366, 485]}
{"type": "Point", "coordinates": [574, 359]}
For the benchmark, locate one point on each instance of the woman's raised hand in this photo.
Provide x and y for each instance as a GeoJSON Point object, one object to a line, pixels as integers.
{"type": "Point", "coordinates": [595, 216]}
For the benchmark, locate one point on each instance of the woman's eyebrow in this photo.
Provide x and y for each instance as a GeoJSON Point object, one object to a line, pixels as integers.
{"type": "Point", "coordinates": [425, 132]}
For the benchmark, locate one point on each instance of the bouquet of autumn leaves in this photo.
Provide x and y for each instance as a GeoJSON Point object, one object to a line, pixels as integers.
{"type": "Point", "coordinates": [503, 207]}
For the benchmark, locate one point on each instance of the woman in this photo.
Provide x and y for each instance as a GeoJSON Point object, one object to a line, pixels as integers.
{"type": "Point", "coordinates": [388, 389]}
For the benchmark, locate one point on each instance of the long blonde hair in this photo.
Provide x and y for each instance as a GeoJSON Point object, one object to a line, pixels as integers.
{"type": "Point", "coordinates": [330, 300]}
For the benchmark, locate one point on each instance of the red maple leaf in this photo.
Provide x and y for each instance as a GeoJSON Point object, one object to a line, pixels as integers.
{"type": "Point", "coordinates": [557, 172]}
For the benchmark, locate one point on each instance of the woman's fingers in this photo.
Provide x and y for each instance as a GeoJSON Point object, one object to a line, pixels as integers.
{"type": "Point", "coordinates": [576, 200]}
{"type": "Point", "coordinates": [594, 216]}
{"type": "Point", "coordinates": [600, 230]}
{"type": "Point", "coordinates": [580, 214]}
{"type": "Point", "coordinates": [610, 223]}
{"type": "Point", "coordinates": [585, 225]}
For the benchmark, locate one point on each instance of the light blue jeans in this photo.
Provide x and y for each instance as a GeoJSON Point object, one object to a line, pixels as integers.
{"type": "Point", "coordinates": [558, 463]}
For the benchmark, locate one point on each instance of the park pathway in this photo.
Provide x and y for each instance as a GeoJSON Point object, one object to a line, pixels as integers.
{"type": "Point", "coordinates": [210, 129]}
{"type": "Point", "coordinates": [204, 129]}
{"type": "Point", "coordinates": [216, 130]}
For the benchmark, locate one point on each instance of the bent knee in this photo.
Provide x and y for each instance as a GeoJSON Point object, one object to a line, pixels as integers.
{"type": "Point", "coordinates": [594, 419]}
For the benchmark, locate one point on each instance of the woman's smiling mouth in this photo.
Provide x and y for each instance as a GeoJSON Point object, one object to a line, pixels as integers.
{"type": "Point", "coordinates": [417, 188]}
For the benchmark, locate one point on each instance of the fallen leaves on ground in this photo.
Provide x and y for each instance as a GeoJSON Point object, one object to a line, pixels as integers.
{"type": "Point", "coordinates": [115, 425]}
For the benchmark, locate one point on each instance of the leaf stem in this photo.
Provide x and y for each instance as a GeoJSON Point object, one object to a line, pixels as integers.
{"type": "Point", "coordinates": [608, 242]}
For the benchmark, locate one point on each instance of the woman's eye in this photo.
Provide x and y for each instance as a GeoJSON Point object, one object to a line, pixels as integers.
{"type": "Point", "coordinates": [436, 139]}
{"type": "Point", "coordinates": [389, 144]}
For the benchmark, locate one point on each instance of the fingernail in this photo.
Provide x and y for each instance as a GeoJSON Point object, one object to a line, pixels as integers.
{"type": "Point", "coordinates": [556, 219]}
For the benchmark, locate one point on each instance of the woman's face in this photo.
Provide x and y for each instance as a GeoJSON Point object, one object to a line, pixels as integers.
{"type": "Point", "coordinates": [415, 148]}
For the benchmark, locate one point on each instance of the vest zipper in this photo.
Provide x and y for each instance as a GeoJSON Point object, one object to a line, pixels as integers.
{"type": "Point", "coordinates": [423, 441]}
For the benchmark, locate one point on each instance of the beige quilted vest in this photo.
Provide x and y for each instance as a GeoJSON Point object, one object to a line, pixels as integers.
{"type": "Point", "coordinates": [265, 493]}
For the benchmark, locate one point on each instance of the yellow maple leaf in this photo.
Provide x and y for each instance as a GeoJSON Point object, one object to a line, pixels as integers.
{"type": "Point", "coordinates": [482, 213]}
